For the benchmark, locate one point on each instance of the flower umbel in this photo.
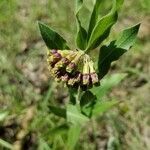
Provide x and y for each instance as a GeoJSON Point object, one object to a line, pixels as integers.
{"type": "Point", "coordinates": [75, 68]}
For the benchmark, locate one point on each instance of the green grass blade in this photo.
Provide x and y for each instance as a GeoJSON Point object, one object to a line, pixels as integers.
{"type": "Point", "coordinates": [5, 144]}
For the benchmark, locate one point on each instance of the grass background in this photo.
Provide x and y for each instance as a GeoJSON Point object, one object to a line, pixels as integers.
{"type": "Point", "coordinates": [26, 89]}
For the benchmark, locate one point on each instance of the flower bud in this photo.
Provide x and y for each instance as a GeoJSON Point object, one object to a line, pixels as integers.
{"type": "Point", "coordinates": [53, 51]}
{"type": "Point", "coordinates": [71, 81]}
{"type": "Point", "coordinates": [94, 77]}
{"type": "Point", "coordinates": [71, 67]}
{"type": "Point", "coordinates": [62, 63]}
{"type": "Point", "coordinates": [57, 79]}
{"type": "Point", "coordinates": [55, 72]}
{"type": "Point", "coordinates": [65, 78]}
{"type": "Point", "coordinates": [64, 53]}
{"type": "Point", "coordinates": [78, 77]}
{"type": "Point", "coordinates": [86, 78]}
{"type": "Point", "coordinates": [93, 74]}
{"type": "Point", "coordinates": [74, 63]}
{"type": "Point", "coordinates": [53, 59]}
{"type": "Point", "coordinates": [86, 73]}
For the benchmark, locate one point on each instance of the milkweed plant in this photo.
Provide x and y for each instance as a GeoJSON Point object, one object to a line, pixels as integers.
{"type": "Point", "coordinates": [83, 75]}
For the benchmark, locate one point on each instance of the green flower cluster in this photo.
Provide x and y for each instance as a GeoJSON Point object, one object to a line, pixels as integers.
{"type": "Point", "coordinates": [75, 68]}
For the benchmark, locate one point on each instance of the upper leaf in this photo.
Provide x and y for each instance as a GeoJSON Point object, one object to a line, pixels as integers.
{"type": "Point", "coordinates": [115, 49]}
{"type": "Point", "coordinates": [107, 55]}
{"type": "Point", "coordinates": [78, 5]}
{"type": "Point", "coordinates": [52, 39]}
{"type": "Point", "coordinates": [103, 26]}
{"type": "Point", "coordinates": [127, 38]}
{"type": "Point", "coordinates": [81, 37]}
{"type": "Point", "coordinates": [94, 17]}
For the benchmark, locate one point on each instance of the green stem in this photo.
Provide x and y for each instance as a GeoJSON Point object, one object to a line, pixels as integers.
{"type": "Point", "coordinates": [87, 51]}
{"type": "Point", "coordinates": [78, 97]}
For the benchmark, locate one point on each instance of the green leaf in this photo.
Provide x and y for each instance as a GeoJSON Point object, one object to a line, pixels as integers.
{"type": "Point", "coordinates": [115, 49]}
{"type": "Point", "coordinates": [106, 84]}
{"type": "Point", "coordinates": [102, 107]}
{"type": "Point", "coordinates": [101, 31]}
{"type": "Point", "coordinates": [5, 144]}
{"type": "Point", "coordinates": [127, 38]}
{"type": "Point", "coordinates": [107, 55]}
{"type": "Point", "coordinates": [119, 4]}
{"type": "Point", "coordinates": [87, 102]}
{"type": "Point", "coordinates": [74, 115]}
{"type": "Point", "coordinates": [94, 17]}
{"type": "Point", "coordinates": [81, 37]}
{"type": "Point", "coordinates": [103, 26]}
{"type": "Point", "coordinates": [61, 112]}
{"type": "Point", "coordinates": [52, 39]}
{"type": "Point", "coordinates": [59, 130]}
{"type": "Point", "coordinates": [72, 94]}
{"type": "Point", "coordinates": [79, 4]}
{"type": "Point", "coordinates": [73, 136]}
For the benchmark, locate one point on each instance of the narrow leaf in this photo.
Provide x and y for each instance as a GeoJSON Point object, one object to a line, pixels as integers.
{"type": "Point", "coordinates": [102, 107]}
{"type": "Point", "coordinates": [115, 49]}
{"type": "Point", "coordinates": [107, 83]}
{"type": "Point", "coordinates": [61, 112]}
{"type": "Point", "coordinates": [73, 136]}
{"type": "Point", "coordinates": [59, 130]}
{"type": "Point", "coordinates": [79, 4]}
{"type": "Point", "coordinates": [52, 39]}
{"type": "Point", "coordinates": [94, 17]}
{"type": "Point", "coordinates": [81, 37]}
{"type": "Point", "coordinates": [5, 144]}
{"type": "Point", "coordinates": [107, 55]}
{"type": "Point", "coordinates": [102, 28]}
{"type": "Point", "coordinates": [127, 38]}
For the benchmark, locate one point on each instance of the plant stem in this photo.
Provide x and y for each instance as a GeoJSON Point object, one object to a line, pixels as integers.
{"type": "Point", "coordinates": [78, 97]}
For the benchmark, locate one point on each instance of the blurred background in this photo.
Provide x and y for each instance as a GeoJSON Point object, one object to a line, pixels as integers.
{"type": "Point", "coordinates": [26, 90]}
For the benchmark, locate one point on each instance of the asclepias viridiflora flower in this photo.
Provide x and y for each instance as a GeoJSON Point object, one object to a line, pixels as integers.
{"type": "Point", "coordinates": [73, 67]}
